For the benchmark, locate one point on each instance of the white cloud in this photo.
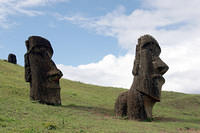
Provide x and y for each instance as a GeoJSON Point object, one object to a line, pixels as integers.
{"type": "Point", "coordinates": [15, 7]}
{"type": "Point", "coordinates": [175, 24]}
{"type": "Point", "coordinates": [183, 60]}
{"type": "Point", "coordinates": [110, 71]}
{"type": "Point", "coordinates": [183, 75]}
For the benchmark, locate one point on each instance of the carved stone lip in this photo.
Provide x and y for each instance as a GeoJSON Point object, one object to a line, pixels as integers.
{"type": "Point", "coordinates": [56, 88]}
{"type": "Point", "coordinates": [158, 77]}
{"type": "Point", "coordinates": [53, 88]}
{"type": "Point", "coordinates": [54, 78]}
{"type": "Point", "coordinates": [53, 85]}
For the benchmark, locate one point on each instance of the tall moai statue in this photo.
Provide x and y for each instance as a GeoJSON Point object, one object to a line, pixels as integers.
{"type": "Point", "coordinates": [148, 70]}
{"type": "Point", "coordinates": [42, 72]}
{"type": "Point", "coordinates": [12, 58]}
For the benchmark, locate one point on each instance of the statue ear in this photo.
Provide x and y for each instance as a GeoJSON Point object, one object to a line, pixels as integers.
{"type": "Point", "coordinates": [27, 68]}
{"type": "Point", "coordinates": [136, 62]}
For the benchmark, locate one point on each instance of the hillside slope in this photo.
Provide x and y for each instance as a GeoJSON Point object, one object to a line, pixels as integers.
{"type": "Point", "coordinates": [86, 109]}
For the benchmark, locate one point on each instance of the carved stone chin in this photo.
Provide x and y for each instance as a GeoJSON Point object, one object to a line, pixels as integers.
{"type": "Point", "coordinates": [41, 72]}
{"type": "Point", "coordinates": [148, 71]}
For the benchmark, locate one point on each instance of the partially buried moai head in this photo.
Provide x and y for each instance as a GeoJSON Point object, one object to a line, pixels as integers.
{"type": "Point", "coordinates": [12, 58]}
{"type": "Point", "coordinates": [41, 71]}
{"type": "Point", "coordinates": [149, 68]}
{"type": "Point", "coordinates": [145, 91]}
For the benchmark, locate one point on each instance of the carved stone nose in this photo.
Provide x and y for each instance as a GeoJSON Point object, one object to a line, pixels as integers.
{"type": "Point", "coordinates": [56, 73]}
{"type": "Point", "coordinates": [60, 74]}
{"type": "Point", "coordinates": [160, 66]}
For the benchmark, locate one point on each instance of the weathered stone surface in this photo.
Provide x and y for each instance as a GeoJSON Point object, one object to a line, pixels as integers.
{"type": "Point", "coordinates": [12, 58]}
{"type": "Point", "coordinates": [148, 70]}
{"type": "Point", "coordinates": [121, 104]}
{"type": "Point", "coordinates": [41, 71]}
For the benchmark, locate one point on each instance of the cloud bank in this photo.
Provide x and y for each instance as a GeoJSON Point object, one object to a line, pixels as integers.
{"type": "Point", "coordinates": [175, 24]}
{"type": "Point", "coordinates": [110, 71]}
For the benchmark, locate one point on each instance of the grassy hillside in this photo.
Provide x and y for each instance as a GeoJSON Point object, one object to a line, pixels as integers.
{"type": "Point", "coordinates": [86, 109]}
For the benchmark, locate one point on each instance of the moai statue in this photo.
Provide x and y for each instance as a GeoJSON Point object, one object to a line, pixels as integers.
{"type": "Point", "coordinates": [42, 72]}
{"type": "Point", "coordinates": [137, 103]}
{"type": "Point", "coordinates": [12, 58]}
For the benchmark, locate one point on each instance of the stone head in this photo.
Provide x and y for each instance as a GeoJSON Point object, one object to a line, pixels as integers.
{"type": "Point", "coordinates": [12, 58]}
{"type": "Point", "coordinates": [40, 70]}
{"type": "Point", "coordinates": [149, 68]}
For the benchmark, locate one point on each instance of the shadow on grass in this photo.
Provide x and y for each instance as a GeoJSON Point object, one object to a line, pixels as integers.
{"type": "Point", "coordinates": [95, 110]}
{"type": "Point", "coordinates": [169, 119]}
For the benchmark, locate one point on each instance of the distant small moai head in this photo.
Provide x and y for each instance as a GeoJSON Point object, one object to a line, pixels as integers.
{"type": "Point", "coordinates": [148, 71]}
{"type": "Point", "coordinates": [12, 58]}
{"type": "Point", "coordinates": [41, 71]}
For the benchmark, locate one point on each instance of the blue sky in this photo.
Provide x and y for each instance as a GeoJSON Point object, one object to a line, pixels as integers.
{"type": "Point", "coordinates": [94, 41]}
{"type": "Point", "coordinates": [72, 45]}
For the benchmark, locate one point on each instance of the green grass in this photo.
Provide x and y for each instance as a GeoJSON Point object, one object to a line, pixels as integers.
{"type": "Point", "coordinates": [87, 109]}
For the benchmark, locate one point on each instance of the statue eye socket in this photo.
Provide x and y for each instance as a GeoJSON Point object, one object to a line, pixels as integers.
{"type": "Point", "coordinates": [40, 50]}
{"type": "Point", "coordinates": [147, 45]}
